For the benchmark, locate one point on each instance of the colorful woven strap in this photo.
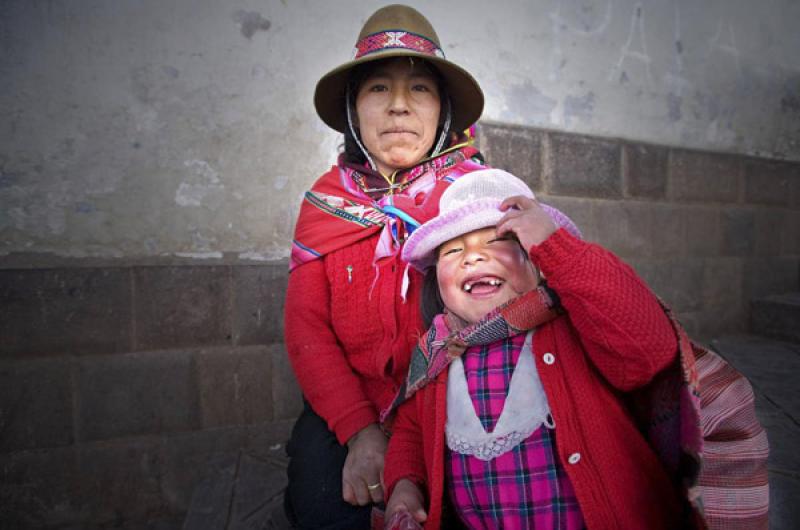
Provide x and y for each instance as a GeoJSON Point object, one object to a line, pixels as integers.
{"type": "Point", "coordinates": [389, 40]}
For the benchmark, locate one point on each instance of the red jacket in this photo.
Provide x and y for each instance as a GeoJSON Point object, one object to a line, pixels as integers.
{"type": "Point", "coordinates": [615, 337]}
{"type": "Point", "coordinates": [349, 336]}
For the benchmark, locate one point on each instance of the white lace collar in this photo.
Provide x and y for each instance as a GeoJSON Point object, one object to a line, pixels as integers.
{"type": "Point", "coordinates": [525, 409]}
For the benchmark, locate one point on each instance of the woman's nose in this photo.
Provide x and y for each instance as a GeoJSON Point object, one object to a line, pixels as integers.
{"type": "Point", "coordinates": [399, 102]}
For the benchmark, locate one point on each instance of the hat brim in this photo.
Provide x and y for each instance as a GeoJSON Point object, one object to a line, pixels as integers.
{"type": "Point", "coordinates": [421, 245]}
{"type": "Point", "coordinates": [465, 94]}
{"type": "Point", "coordinates": [420, 248]}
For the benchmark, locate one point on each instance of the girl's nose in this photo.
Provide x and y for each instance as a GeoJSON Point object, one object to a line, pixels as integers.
{"type": "Point", "coordinates": [473, 255]}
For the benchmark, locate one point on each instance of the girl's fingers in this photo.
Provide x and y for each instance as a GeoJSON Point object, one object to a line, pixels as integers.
{"type": "Point", "coordinates": [420, 515]}
{"type": "Point", "coordinates": [519, 202]}
{"type": "Point", "coordinates": [507, 222]}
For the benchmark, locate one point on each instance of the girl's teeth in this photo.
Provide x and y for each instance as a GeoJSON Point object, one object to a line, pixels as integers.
{"type": "Point", "coordinates": [494, 283]}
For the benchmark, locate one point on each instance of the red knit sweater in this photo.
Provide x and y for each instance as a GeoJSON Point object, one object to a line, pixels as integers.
{"type": "Point", "coordinates": [614, 338]}
{"type": "Point", "coordinates": [349, 336]}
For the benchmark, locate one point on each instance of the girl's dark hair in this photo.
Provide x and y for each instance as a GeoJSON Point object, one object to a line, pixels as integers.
{"type": "Point", "coordinates": [352, 153]}
{"type": "Point", "coordinates": [430, 302]}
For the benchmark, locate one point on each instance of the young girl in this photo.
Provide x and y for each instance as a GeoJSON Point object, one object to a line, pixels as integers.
{"type": "Point", "coordinates": [513, 400]}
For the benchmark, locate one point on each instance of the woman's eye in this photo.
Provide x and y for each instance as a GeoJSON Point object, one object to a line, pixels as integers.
{"type": "Point", "coordinates": [377, 88]}
{"type": "Point", "coordinates": [422, 88]}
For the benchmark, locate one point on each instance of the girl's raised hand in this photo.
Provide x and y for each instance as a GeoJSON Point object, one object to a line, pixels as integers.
{"type": "Point", "coordinates": [526, 218]}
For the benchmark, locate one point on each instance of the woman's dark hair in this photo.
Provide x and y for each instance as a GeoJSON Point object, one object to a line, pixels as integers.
{"type": "Point", "coordinates": [430, 301]}
{"type": "Point", "coordinates": [352, 153]}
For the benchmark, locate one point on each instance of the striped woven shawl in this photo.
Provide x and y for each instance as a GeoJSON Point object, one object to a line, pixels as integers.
{"type": "Point", "coordinates": [730, 488]}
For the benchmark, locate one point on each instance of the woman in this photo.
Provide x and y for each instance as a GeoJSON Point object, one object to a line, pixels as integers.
{"type": "Point", "coordinates": [352, 314]}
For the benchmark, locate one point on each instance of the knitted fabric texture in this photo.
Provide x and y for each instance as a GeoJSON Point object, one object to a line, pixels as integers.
{"type": "Point", "coordinates": [348, 334]}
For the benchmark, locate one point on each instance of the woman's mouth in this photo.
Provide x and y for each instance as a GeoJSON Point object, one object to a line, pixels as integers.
{"type": "Point", "coordinates": [398, 131]}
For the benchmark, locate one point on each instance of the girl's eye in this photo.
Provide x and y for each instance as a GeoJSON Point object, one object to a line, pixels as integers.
{"type": "Point", "coordinates": [498, 239]}
{"type": "Point", "coordinates": [453, 250]}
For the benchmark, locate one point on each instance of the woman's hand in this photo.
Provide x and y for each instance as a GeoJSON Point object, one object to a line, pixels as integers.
{"type": "Point", "coordinates": [407, 496]}
{"type": "Point", "coordinates": [362, 475]}
{"type": "Point", "coordinates": [526, 218]}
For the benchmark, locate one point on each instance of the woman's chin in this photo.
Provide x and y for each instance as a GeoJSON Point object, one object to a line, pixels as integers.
{"type": "Point", "coordinates": [402, 160]}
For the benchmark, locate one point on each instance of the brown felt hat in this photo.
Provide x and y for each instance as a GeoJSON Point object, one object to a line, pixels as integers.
{"type": "Point", "coordinates": [399, 31]}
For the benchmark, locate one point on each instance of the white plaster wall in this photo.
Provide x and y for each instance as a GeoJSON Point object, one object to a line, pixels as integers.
{"type": "Point", "coordinates": [185, 127]}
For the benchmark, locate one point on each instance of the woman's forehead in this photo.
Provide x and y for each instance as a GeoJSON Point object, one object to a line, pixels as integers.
{"type": "Point", "coordinates": [404, 65]}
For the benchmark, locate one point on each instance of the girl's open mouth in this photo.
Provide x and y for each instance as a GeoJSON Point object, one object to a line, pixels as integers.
{"type": "Point", "coordinates": [482, 285]}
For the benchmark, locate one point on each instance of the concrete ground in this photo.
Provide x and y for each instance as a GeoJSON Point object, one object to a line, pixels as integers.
{"type": "Point", "coordinates": [244, 491]}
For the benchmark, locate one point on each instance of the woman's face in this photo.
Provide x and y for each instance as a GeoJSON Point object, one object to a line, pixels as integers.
{"type": "Point", "coordinates": [479, 271]}
{"type": "Point", "coordinates": [398, 107]}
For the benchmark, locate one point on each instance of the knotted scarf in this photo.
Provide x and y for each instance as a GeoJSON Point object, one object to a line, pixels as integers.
{"type": "Point", "coordinates": [449, 337]}
{"type": "Point", "coordinates": [337, 212]}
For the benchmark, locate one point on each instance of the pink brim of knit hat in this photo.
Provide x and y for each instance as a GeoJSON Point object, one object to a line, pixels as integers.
{"type": "Point", "coordinates": [420, 248]}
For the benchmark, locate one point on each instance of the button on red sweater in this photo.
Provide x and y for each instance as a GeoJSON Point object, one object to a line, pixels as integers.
{"type": "Point", "coordinates": [349, 336]}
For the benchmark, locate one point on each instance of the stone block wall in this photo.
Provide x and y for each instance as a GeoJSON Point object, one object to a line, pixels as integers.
{"type": "Point", "coordinates": [120, 385]}
{"type": "Point", "coordinates": [708, 231]}
{"type": "Point", "coordinates": [122, 382]}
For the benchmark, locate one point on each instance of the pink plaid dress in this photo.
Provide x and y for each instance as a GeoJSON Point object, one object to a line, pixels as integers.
{"type": "Point", "coordinates": [524, 488]}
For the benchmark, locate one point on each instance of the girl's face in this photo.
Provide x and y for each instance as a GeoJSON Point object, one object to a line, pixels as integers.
{"type": "Point", "coordinates": [479, 271]}
{"type": "Point", "coordinates": [398, 106]}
